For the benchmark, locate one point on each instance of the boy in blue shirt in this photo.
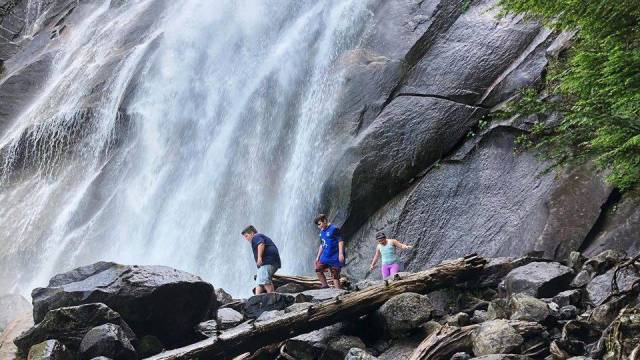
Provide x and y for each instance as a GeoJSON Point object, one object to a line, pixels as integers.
{"type": "Point", "coordinates": [267, 258]}
{"type": "Point", "coordinates": [331, 251]}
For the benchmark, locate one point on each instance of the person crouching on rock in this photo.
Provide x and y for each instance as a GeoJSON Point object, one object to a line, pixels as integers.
{"type": "Point", "coordinates": [331, 251]}
{"type": "Point", "coordinates": [387, 250]}
{"type": "Point", "coordinates": [267, 258]}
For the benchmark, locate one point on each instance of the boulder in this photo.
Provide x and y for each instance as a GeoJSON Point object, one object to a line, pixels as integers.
{"type": "Point", "coordinates": [313, 344]}
{"type": "Point", "coordinates": [50, 350]}
{"type": "Point", "coordinates": [538, 279]}
{"type": "Point", "coordinates": [291, 288]}
{"type": "Point", "coordinates": [528, 308]}
{"type": "Point", "coordinates": [400, 349]}
{"type": "Point", "coordinates": [459, 319]}
{"type": "Point", "coordinates": [339, 346]}
{"type": "Point", "coordinates": [258, 304]}
{"type": "Point", "coordinates": [228, 318]}
{"type": "Point", "coordinates": [155, 300]}
{"type": "Point", "coordinates": [502, 357]}
{"type": "Point", "coordinates": [460, 356]}
{"type": "Point", "coordinates": [600, 287]}
{"type": "Point", "coordinates": [298, 306]}
{"type": "Point", "coordinates": [604, 261]}
{"type": "Point", "coordinates": [70, 324]}
{"type": "Point", "coordinates": [498, 309]}
{"type": "Point", "coordinates": [359, 354]}
{"type": "Point", "coordinates": [208, 328]}
{"type": "Point", "coordinates": [569, 297]}
{"type": "Point", "coordinates": [107, 340]}
{"type": "Point", "coordinates": [568, 312]}
{"type": "Point", "coordinates": [148, 345]}
{"type": "Point", "coordinates": [496, 337]}
{"type": "Point", "coordinates": [403, 313]}
{"type": "Point", "coordinates": [223, 297]}
{"type": "Point", "coordinates": [320, 295]}
{"type": "Point", "coordinates": [11, 306]}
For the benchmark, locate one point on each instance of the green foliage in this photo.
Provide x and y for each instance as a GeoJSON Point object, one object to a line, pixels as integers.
{"type": "Point", "coordinates": [595, 86]}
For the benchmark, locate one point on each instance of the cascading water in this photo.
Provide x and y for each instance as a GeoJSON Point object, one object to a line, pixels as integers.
{"type": "Point", "coordinates": [158, 144]}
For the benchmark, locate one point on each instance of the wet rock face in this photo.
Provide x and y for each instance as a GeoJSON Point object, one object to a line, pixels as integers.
{"type": "Point", "coordinates": [69, 325]}
{"type": "Point", "coordinates": [107, 340]}
{"type": "Point", "coordinates": [154, 300]}
{"type": "Point", "coordinates": [409, 135]}
{"type": "Point", "coordinates": [50, 350]}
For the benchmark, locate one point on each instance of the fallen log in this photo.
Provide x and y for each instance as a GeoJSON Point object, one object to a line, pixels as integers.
{"type": "Point", "coordinates": [252, 336]}
{"type": "Point", "coordinates": [444, 342]}
{"type": "Point", "coordinates": [307, 281]}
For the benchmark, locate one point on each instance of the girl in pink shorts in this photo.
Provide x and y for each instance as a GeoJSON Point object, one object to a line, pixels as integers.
{"type": "Point", "coordinates": [387, 250]}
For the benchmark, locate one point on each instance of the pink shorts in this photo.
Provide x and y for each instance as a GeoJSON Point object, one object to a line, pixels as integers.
{"type": "Point", "coordinates": [390, 270]}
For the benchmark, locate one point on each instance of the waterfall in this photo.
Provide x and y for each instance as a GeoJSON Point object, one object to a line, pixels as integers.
{"type": "Point", "coordinates": [165, 127]}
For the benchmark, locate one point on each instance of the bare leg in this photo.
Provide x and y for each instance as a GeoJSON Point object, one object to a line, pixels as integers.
{"type": "Point", "coordinates": [259, 290]}
{"type": "Point", "coordinates": [322, 278]}
{"type": "Point", "coordinates": [268, 288]}
{"type": "Point", "coordinates": [336, 278]}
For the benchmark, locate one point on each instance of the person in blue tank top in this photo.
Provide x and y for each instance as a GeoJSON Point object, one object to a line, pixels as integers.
{"type": "Point", "coordinates": [386, 250]}
{"type": "Point", "coordinates": [331, 251]}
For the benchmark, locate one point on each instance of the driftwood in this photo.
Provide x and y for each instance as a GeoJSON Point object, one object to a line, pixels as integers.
{"type": "Point", "coordinates": [306, 281]}
{"type": "Point", "coordinates": [444, 342]}
{"type": "Point", "coordinates": [251, 336]}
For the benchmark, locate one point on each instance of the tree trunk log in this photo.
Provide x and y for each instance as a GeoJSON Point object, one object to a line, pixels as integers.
{"type": "Point", "coordinates": [252, 336]}
{"type": "Point", "coordinates": [308, 282]}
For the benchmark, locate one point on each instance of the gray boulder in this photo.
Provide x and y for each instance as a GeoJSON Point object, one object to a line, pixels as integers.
{"type": "Point", "coordinates": [11, 306]}
{"type": "Point", "coordinates": [460, 356]}
{"type": "Point", "coordinates": [569, 297]}
{"type": "Point", "coordinates": [498, 309]}
{"type": "Point", "coordinates": [50, 350]}
{"type": "Point", "coordinates": [313, 344]}
{"type": "Point", "coordinates": [270, 315]}
{"type": "Point", "coordinates": [600, 287]}
{"type": "Point", "coordinates": [502, 357]}
{"type": "Point", "coordinates": [338, 347]}
{"type": "Point", "coordinates": [403, 313]}
{"type": "Point", "coordinates": [155, 300]}
{"type": "Point", "coordinates": [70, 324]}
{"type": "Point", "coordinates": [528, 308]}
{"type": "Point", "coordinates": [107, 340]}
{"type": "Point", "coordinates": [148, 345]}
{"type": "Point", "coordinates": [228, 318]}
{"type": "Point", "coordinates": [291, 288]}
{"type": "Point", "coordinates": [258, 304]}
{"type": "Point", "coordinates": [496, 337]}
{"type": "Point", "coordinates": [459, 319]}
{"type": "Point", "coordinates": [298, 306]}
{"type": "Point", "coordinates": [359, 354]}
{"type": "Point", "coordinates": [223, 297]}
{"type": "Point", "coordinates": [208, 328]}
{"type": "Point", "coordinates": [320, 295]}
{"type": "Point", "coordinates": [538, 279]}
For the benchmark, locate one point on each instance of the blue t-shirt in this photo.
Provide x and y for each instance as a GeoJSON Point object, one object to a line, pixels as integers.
{"type": "Point", "coordinates": [330, 238]}
{"type": "Point", "coordinates": [270, 256]}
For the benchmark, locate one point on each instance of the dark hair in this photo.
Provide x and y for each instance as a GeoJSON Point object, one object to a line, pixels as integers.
{"type": "Point", "coordinates": [249, 230]}
{"type": "Point", "coordinates": [319, 218]}
{"type": "Point", "coordinates": [380, 235]}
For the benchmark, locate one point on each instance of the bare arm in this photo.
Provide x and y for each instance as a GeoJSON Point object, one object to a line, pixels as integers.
{"type": "Point", "coordinates": [397, 243]}
{"type": "Point", "coordinates": [260, 253]}
{"type": "Point", "coordinates": [375, 259]}
{"type": "Point", "coordinates": [341, 251]}
{"type": "Point", "coordinates": [319, 253]}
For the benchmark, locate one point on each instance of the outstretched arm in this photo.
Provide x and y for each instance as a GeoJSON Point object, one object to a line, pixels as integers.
{"type": "Point", "coordinates": [397, 243]}
{"type": "Point", "coordinates": [375, 259]}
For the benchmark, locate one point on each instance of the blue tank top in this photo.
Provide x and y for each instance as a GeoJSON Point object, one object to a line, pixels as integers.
{"type": "Point", "coordinates": [388, 253]}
